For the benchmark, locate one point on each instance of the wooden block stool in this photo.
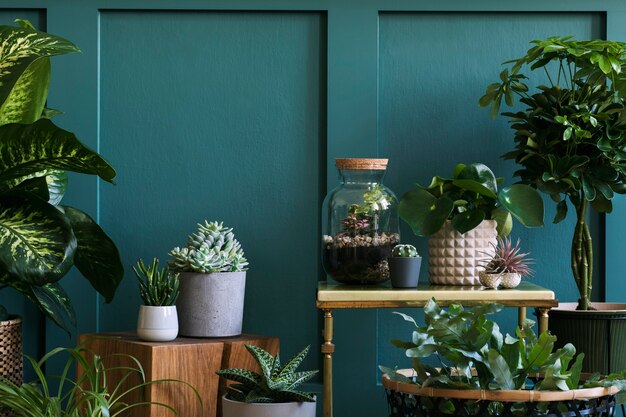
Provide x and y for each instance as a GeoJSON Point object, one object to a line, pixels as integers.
{"type": "Point", "coordinates": [192, 360]}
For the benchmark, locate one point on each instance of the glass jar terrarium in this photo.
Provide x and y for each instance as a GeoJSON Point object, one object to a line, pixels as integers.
{"type": "Point", "coordinates": [360, 223]}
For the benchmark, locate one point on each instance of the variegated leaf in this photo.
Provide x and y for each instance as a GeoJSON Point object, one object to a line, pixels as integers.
{"type": "Point", "coordinates": [37, 186]}
{"type": "Point", "coordinates": [293, 363]}
{"type": "Point", "coordinates": [20, 47]}
{"type": "Point", "coordinates": [36, 240]}
{"type": "Point", "coordinates": [57, 185]}
{"type": "Point", "coordinates": [53, 180]}
{"type": "Point", "coordinates": [26, 149]}
{"type": "Point", "coordinates": [265, 360]}
{"type": "Point", "coordinates": [96, 256]}
{"type": "Point", "coordinates": [295, 396]}
{"type": "Point", "coordinates": [26, 100]}
{"type": "Point", "coordinates": [243, 376]}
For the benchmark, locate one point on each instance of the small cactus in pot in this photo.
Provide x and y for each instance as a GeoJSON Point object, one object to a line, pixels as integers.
{"type": "Point", "coordinates": [404, 266]}
{"type": "Point", "coordinates": [505, 266]}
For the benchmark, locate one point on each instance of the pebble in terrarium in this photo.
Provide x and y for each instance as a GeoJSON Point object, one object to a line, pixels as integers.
{"type": "Point", "coordinates": [360, 223]}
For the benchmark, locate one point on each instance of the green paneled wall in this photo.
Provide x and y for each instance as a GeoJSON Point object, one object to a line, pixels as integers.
{"type": "Point", "coordinates": [236, 109]}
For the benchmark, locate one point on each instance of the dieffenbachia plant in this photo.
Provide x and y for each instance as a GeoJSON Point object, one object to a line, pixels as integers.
{"type": "Point", "coordinates": [40, 240]}
{"type": "Point", "coordinates": [474, 354]}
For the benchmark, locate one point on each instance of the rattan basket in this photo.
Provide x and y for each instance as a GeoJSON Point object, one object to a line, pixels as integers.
{"type": "Point", "coordinates": [411, 400]}
{"type": "Point", "coordinates": [11, 361]}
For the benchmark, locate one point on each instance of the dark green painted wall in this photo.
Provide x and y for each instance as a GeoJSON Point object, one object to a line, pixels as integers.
{"type": "Point", "coordinates": [235, 110]}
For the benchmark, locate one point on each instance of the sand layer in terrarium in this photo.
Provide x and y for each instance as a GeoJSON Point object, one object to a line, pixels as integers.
{"type": "Point", "coordinates": [359, 259]}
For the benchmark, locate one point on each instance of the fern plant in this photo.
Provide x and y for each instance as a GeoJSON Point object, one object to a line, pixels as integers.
{"type": "Point", "coordinates": [275, 384]}
{"type": "Point", "coordinates": [157, 287]}
{"type": "Point", "coordinates": [213, 248]}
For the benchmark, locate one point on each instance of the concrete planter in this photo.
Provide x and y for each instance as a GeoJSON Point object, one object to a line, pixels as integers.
{"type": "Point", "coordinates": [453, 258]}
{"type": "Point", "coordinates": [157, 323]}
{"type": "Point", "coordinates": [600, 333]}
{"type": "Point", "coordinates": [211, 305]}
{"type": "Point", "coordinates": [232, 408]}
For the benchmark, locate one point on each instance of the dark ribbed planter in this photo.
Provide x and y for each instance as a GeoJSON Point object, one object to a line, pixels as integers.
{"type": "Point", "coordinates": [404, 271]}
{"type": "Point", "coordinates": [600, 334]}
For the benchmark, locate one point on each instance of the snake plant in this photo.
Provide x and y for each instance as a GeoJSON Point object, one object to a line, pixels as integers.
{"type": "Point", "coordinates": [40, 240]}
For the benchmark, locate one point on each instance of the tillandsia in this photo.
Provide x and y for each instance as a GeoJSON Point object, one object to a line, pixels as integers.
{"type": "Point", "coordinates": [157, 287]}
{"type": "Point", "coordinates": [508, 258]}
{"type": "Point", "coordinates": [213, 248]}
{"type": "Point", "coordinates": [570, 134]}
{"type": "Point", "coordinates": [404, 251]}
{"type": "Point", "coordinates": [276, 383]}
{"type": "Point", "coordinates": [364, 219]}
{"type": "Point", "coordinates": [472, 353]}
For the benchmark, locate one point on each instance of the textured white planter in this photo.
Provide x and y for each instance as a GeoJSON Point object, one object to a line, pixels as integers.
{"type": "Point", "coordinates": [504, 280]}
{"type": "Point", "coordinates": [236, 409]}
{"type": "Point", "coordinates": [211, 305]}
{"type": "Point", "coordinates": [453, 258]}
{"type": "Point", "coordinates": [157, 323]}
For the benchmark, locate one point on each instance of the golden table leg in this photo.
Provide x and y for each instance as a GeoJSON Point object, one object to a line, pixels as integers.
{"type": "Point", "coordinates": [521, 317]}
{"type": "Point", "coordinates": [327, 351]}
{"type": "Point", "coordinates": [542, 313]}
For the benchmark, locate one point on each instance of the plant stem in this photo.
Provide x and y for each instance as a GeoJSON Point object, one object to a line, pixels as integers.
{"type": "Point", "coordinates": [582, 255]}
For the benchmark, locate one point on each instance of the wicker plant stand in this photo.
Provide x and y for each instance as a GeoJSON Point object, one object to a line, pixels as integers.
{"type": "Point", "coordinates": [410, 400]}
{"type": "Point", "coordinates": [11, 362]}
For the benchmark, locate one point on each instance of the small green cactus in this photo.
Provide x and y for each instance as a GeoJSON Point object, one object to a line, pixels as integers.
{"type": "Point", "coordinates": [276, 383]}
{"type": "Point", "coordinates": [213, 248]}
{"type": "Point", "coordinates": [156, 287]}
{"type": "Point", "coordinates": [404, 251]}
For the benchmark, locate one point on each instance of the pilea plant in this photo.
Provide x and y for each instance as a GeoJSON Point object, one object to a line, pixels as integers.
{"type": "Point", "coordinates": [276, 383]}
{"type": "Point", "coordinates": [472, 353]}
{"type": "Point", "coordinates": [157, 287]}
{"type": "Point", "coordinates": [213, 248]}
{"type": "Point", "coordinates": [468, 198]}
{"type": "Point", "coordinates": [404, 251]}
{"type": "Point", "coordinates": [570, 137]}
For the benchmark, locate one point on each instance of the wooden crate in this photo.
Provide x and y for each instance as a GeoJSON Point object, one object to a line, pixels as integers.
{"type": "Point", "coordinates": [191, 360]}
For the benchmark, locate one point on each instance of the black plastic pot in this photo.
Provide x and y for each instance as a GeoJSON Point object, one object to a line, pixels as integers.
{"type": "Point", "coordinates": [404, 271]}
{"type": "Point", "coordinates": [599, 333]}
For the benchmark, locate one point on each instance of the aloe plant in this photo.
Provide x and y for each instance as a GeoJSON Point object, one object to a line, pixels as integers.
{"type": "Point", "coordinates": [472, 353]}
{"type": "Point", "coordinates": [40, 240]}
{"type": "Point", "coordinates": [276, 383]}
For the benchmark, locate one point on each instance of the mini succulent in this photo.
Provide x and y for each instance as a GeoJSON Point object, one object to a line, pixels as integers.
{"type": "Point", "coordinates": [404, 251]}
{"type": "Point", "coordinates": [508, 258]}
{"type": "Point", "coordinates": [275, 384]}
{"type": "Point", "coordinates": [157, 287]}
{"type": "Point", "coordinates": [213, 248]}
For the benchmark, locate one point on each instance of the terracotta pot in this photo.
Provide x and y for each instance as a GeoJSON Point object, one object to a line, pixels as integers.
{"type": "Point", "coordinates": [454, 258]}
{"type": "Point", "coordinates": [232, 408]}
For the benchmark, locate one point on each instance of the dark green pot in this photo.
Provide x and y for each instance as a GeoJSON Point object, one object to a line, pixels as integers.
{"type": "Point", "coordinates": [600, 334]}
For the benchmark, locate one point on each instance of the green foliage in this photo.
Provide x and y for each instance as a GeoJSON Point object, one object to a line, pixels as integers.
{"type": "Point", "coordinates": [213, 248]}
{"type": "Point", "coordinates": [508, 258]}
{"type": "Point", "coordinates": [86, 395]}
{"type": "Point", "coordinates": [40, 240]}
{"type": "Point", "coordinates": [275, 384]}
{"type": "Point", "coordinates": [404, 251]}
{"type": "Point", "coordinates": [467, 199]}
{"type": "Point", "coordinates": [157, 287]}
{"type": "Point", "coordinates": [474, 354]}
{"type": "Point", "coordinates": [570, 138]}
{"type": "Point", "coordinates": [363, 219]}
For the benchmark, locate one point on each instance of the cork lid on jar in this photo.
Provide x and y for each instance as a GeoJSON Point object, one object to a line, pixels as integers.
{"type": "Point", "coordinates": [361, 163]}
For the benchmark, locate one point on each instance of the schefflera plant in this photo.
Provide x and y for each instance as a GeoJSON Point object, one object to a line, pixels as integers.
{"type": "Point", "coordinates": [276, 383]}
{"type": "Point", "coordinates": [213, 248]}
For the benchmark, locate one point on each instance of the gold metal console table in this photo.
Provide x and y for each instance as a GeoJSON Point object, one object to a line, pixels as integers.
{"type": "Point", "coordinates": [332, 296]}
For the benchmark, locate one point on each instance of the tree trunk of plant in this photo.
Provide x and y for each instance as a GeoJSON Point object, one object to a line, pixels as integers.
{"type": "Point", "coordinates": [582, 255]}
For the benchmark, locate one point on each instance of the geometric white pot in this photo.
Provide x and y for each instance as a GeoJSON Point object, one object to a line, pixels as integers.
{"type": "Point", "coordinates": [232, 408]}
{"type": "Point", "coordinates": [211, 305]}
{"type": "Point", "coordinates": [454, 258]}
{"type": "Point", "coordinates": [157, 323]}
{"type": "Point", "coordinates": [503, 279]}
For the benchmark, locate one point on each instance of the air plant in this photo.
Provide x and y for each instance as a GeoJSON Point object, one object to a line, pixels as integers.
{"type": "Point", "coordinates": [508, 258]}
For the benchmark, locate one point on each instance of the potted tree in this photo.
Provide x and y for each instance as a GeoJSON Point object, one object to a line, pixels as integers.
{"type": "Point", "coordinates": [404, 266]}
{"type": "Point", "coordinates": [466, 206]}
{"type": "Point", "coordinates": [273, 393]}
{"type": "Point", "coordinates": [570, 141]}
{"type": "Point", "coordinates": [40, 239]}
{"type": "Point", "coordinates": [506, 266]}
{"type": "Point", "coordinates": [481, 372]}
{"type": "Point", "coordinates": [159, 289]}
{"type": "Point", "coordinates": [212, 271]}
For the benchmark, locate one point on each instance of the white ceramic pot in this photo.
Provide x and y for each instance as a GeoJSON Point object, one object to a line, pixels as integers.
{"type": "Point", "coordinates": [504, 280]}
{"type": "Point", "coordinates": [232, 408]}
{"type": "Point", "coordinates": [211, 305]}
{"type": "Point", "coordinates": [454, 258]}
{"type": "Point", "coordinates": [157, 323]}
